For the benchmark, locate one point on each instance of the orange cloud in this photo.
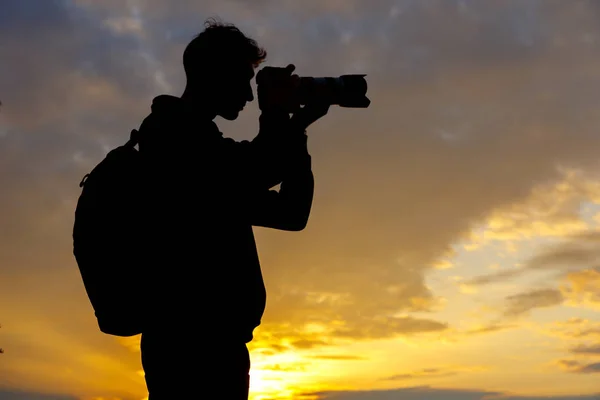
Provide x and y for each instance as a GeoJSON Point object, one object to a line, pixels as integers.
{"type": "Point", "coordinates": [582, 288]}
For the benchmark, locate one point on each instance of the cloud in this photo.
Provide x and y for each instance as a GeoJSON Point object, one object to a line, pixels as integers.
{"type": "Point", "coordinates": [522, 303]}
{"type": "Point", "coordinates": [391, 327]}
{"type": "Point", "coordinates": [575, 252]}
{"type": "Point", "coordinates": [492, 328]}
{"type": "Point", "coordinates": [427, 393]}
{"type": "Point", "coordinates": [281, 338]}
{"type": "Point", "coordinates": [582, 337]}
{"type": "Point", "coordinates": [7, 394]}
{"type": "Point", "coordinates": [590, 369]}
{"type": "Point", "coordinates": [426, 373]}
{"type": "Point", "coordinates": [443, 264]}
{"type": "Point", "coordinates": [582, 288]}
{"type": "Point", "coordinates": [579, 367]}
{"type": "Point", "coordinates": [296, 367]}
{"type": "Point", "coordinates": [573, 328]}
{"type": "Point", "coordinates": [44, 355]}
{"type": "Point", "coordinates": [550, 210]}
{"type": "Point", "coordinates": [307, 343]}
{"type": "Point", "coordinates": [341, 357]}
{"type": "Point", "coordinates": [579, 288]}
{"type": "Point", "coordinates": [590, 350]}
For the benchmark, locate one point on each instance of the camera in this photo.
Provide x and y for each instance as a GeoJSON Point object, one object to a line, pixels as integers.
{"type": "Point", "coordinates": [345, 91]}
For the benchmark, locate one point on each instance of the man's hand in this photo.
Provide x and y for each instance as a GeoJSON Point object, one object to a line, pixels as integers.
{"type": "Point", "coordinates": [276, 89]}
{"type": "Point", "coordinates": [308, 114]}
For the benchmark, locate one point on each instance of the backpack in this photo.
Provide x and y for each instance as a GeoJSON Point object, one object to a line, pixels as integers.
{"type": "Point", "coordinates": [106, 235]}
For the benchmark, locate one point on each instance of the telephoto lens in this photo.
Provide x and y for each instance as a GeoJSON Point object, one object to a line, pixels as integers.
{"type": "Point", "coordinates": [344, 91]}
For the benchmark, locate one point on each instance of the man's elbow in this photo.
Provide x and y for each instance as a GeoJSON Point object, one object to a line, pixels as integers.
{"type": "Point", "coordinates": [299, 219]}
{"type": "Point", "coordinates": [297, 224]}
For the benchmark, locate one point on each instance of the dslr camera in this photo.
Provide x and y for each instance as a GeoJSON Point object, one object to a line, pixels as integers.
{"type": "Point", "coordinates": [345, 91]}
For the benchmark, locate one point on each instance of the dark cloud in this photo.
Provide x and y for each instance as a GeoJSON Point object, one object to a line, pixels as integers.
{"type": "Point", "coordinates": [588, 333]}
{"type": "Point", "coordinates": [390, 327]}
{"type": "Point", "coordinates": [590, 368]}
{"type": "Point", "coordinates": [593, 349]}
{"type": "Point", "coordinates": [279, 338]}
{"type": "Point", "coordinates": [492, 328]}
{"type": "Point", "coordinates": [522, 303]}
{"type": "Point", "coordinates": [7, 394]}
{"type": "Point", "coordinates": [427, 393]}
{"type": "Point", "coordinates": [578, 367]}
{"type": "Point", "coordinates": [424, 373]}
{"type": "Point", "coordinates": [580, 249]}
{"type": "Point", "coordinates": [576, 252]}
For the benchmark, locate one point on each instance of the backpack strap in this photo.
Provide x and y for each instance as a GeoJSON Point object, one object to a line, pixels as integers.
{"type": "Point", "coordinates": [83, 180]}
{"type": "Point", "coordinates": [134, 139]}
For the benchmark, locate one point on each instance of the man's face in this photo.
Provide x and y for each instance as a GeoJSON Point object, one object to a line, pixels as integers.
{"type": "Point", "coordinates": [235, 90]}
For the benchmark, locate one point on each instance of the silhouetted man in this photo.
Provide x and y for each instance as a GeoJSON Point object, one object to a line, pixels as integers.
{"type": "Point", "coordinates": [204, 192]}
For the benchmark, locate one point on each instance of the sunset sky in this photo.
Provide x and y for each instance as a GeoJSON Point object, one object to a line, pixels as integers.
{"type": "Point", "coordinates": [453, 251]}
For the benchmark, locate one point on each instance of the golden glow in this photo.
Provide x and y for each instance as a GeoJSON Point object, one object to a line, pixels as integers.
{"type": "Point", "coordinates": [282, 376]}
{"type": "Point", "coordinates": [454, 240]}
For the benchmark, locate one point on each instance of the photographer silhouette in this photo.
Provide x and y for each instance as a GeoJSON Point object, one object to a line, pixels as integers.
{"type": "Point", "coordinates": [203, 193]}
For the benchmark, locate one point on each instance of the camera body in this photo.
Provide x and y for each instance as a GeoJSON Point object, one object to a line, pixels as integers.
{"type": "Point", "coordinates": [345, 91]}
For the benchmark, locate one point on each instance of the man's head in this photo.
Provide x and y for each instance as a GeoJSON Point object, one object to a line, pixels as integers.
{"type": "Point", "coordinates": [219, 64]}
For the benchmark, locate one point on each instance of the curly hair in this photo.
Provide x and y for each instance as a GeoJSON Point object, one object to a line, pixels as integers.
{"type": "Point", "coordinates": [218, 45]}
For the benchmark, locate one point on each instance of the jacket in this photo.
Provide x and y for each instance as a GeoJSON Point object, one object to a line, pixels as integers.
{"type": "Point", "coordinates": [204, 193]}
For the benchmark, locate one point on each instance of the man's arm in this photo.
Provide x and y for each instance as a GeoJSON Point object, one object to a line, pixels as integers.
{"type": "Point", "coordinates": [280, 155]}
{"type": "Point", "coordinates": [257, 165]}
{"type": "Point", "coordinates": [289, 208]}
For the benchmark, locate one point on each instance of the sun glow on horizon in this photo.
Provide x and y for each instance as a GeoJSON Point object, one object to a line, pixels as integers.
{"type": "Point", "coordinates": [278, 376]}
